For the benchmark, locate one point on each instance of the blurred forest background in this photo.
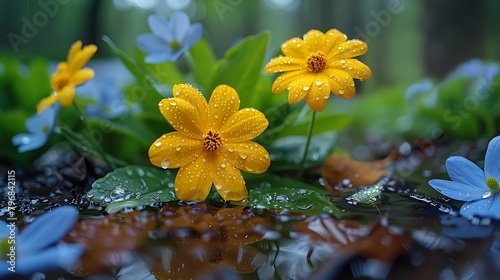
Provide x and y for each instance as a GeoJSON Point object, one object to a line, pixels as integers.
{"type": "Point", "coordinates": [408, 39]}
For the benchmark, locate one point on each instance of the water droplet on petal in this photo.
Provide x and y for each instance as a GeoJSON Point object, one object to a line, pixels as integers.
{"type": "Point", "coordinates": [231, 149]}
{"type": "Point", "coordinates": [487, 194]}
{"type": "Point", "coordinates": [306, 88]}
{"type": "Point", "coordinates": [173, 103]}
{"type": "Point", "coordinates": [243, 156]}
{"type": "Point", "coordinates": [218, 186]}
{"type": "Point", "coordinates": [165, 163]}
{"type": "Point", "coordinates": [158, 143]}
{"type": "Point", "coordinates": [178, 147]}
{"type": "Point", "coordinates": [223, 165]}
{"type": "Point", "coordinates": [341, 91]}
{"type": "Point", "coordinates": [318, 83]}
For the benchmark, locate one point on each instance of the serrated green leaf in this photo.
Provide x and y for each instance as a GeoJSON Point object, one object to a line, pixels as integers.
{"type": "Point", "coordinates": [133, 186]}
{"type": "Point", "coordinates": [285, 194]}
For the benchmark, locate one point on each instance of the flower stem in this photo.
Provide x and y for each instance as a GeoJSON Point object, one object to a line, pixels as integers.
{"type": "Point", "coordinates": [308, 142]}
{"type": "Point", "coordinates": [87, 133]}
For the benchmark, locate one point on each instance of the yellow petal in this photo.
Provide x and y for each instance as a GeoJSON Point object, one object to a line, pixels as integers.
{"type": "Point", "coordinates": [74, 49]}
{"type": "Point", "coordinates": [81, 58]}
{"type": "Point", "coordinates": [183, 117]}
{"type": "Point", "coordinates": [194, 181]}
{"type": "Point", "coordinates": [295, 47]}
{"type": "Point", "coordinates": [318, 94]}
{"type": "Point", "coordinates": [314, 40]}
{"type": "Point", "coordinates": [243, 125]}
{"type": "Point", "coordinates": [193, 96]}
{"type": "Point", "coordinates": [341, 83]}
{"type": "Point", "coordinates": [299, 88]}
{"type": "Point", "coordinates": [66, 96]}
{"type": "Point", "coordinates": [46, 102]}
{"type": "Point", "coordinates": [247, 156]}
{"type": "Point", "coordinates": [285, 63]}
{"type": "Point", "coordinates": [228, 180]}
{"type": "Point", "coordinates": [349, 49]}
{"type": "Point", "coordinates": [332, 38]}
{"type": "Point", "coordinates": [284, 80]}
{"type": "Point", "coordinates": [223, 103]}
{"type": "Point", "coordinates": [82, 76]}
{"type": "Point", "coordinates": [353, 67]}
{"type": "Point", "coordinates": [173, 150]}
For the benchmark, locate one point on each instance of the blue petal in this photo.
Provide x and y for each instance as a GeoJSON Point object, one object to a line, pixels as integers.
{"type": "Point", "coordinates": [47, 118]}
{"type": "Point", "coordinates": [62, 255]}
{"type": "Point", "coordinates": [487, 208]}
{"type": "Point", "coordinates": [456, 190]}
{"type": "Point", "coordinates": [29, 142]}
{"type": "Point", "coordinates": [179, 25]}
{"type": "Point", "coordinates": [48, 229]}
{"type": "Point", "coordinates": [150, 43]}
{"type": "Point", "coordinates": [193, 35]}
{"type": "Point", "coordinates": [4, 230]}
{"type": "Point", "coordinates": [416, 89]}
{"type": "Point", "coordinates": [4, 269]}
{"type": "Point", "coordinates": [159, 57]}
{"type": "Point", "coordinates": [492, 159]}
{"type": "Point", "coordinates": [472, 68]}
{"type": "Point", "coordinates": [160, 27]}
{"type": "Point", "coordinates": [466, 172]}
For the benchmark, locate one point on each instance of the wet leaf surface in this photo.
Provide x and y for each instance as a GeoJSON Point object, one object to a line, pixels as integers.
{"type": "Point", "coordinates": [342, 173]}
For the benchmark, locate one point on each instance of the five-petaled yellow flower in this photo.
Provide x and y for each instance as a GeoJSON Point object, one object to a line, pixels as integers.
{"type": "Point", "coordinates": [318, 64]}
{"type": "Point", "coordinates": [69, 74]}
{"type": "Point", "coordinates": [211, 144]}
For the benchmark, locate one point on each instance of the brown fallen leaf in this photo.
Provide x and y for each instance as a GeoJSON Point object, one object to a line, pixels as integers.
{"type": "Point", "coordinates": [338, 168]}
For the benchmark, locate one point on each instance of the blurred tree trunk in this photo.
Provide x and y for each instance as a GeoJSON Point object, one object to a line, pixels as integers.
{"type": "Point", "coordinates": [452, 34]}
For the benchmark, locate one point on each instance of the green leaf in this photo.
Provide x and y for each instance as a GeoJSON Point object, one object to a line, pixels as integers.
{"type": "Point", "coordinates": [279, 193]}
{"type": "Point", "coordinates": [241, 68]}
{"type": "Point", "coordinates": [133, 186]}
{"type": "Point", "coordinates": [202, 60]}
{"type": "Point", "coordinates": [145, 80]}
{"type": "Point", "coordinates": [286, 153]}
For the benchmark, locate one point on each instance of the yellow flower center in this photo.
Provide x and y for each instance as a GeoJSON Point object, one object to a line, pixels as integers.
{"type": "Point", "coordinates": [492, 184]}
{"type": "Point", "coordinates": [212, 141]}
{"type": "Point", "coordinates": [61, 82]}
{"type": "Point", "coordinates": [316, 61]}
{"type": "Point", "coordinates": [174, 45]}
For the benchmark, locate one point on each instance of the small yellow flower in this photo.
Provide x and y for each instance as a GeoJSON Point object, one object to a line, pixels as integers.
{"type": "Point", "coordinates": [69, 74]}
{"type": "Point", "coordinates": [211, 144]}
{"type": "Point", "coordinates": [318, 64]}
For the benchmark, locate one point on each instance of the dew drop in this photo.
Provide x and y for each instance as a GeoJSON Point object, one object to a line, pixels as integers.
{"type": "Point", "coordinates": [306, 88]}
{"type": "Point", "coordinates": [223, 165]}
{"type": "Point", "coordinates": [243, 156]}
{"type": "Point", "coordinates": [318, 83]}
{"type": "Point", "coordinates": [230, 149]}
{"type": "Point", "coordinates": [165, 163]}
{"type": "Point", "coordinates": [158, 143]}
{"type": "Point", "coordinates": [218, 186]}
{"type": "Point", "coordinates": [173, 103]}
{"type": "Point", "coordinates": [341, 91]}
{"type": "Point", "coordinates": [487, 194]}
{"type": "Point", "coordinates": [178, 147]}
{"type": "Point", "coordinates": [204, 160]}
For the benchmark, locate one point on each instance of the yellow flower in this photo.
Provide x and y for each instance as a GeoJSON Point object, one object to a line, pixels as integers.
{"type": "Point", "coordinates": [318, 64]}
{"type": "Point", "coordinates": [211, 144]}
{"type": "Point", "coordinates": [69, 74]}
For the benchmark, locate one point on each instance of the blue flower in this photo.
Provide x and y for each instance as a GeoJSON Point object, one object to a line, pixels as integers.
{"type": "Point", "coordinates": [170, 39]}
{"type": "Point", "coordinates": [480, 189]}
{"type": "Point", "coordinates": [39, 128]}
{"type": "Point", "coordinates": [38, 247]}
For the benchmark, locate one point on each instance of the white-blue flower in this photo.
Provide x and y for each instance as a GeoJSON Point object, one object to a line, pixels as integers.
{"type": "Point", "coordinates": [39, 128]}
{"type": "Point", "coordinates": [169, 39]}
{"type": "Point", "coordinates": [480, 189]}
{"type": "Point", "coordinates": [38, 247]}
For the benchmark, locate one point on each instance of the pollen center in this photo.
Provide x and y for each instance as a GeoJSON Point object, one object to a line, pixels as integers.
{"type": "Point", "coordinates": [492, 184]}
{"type": "Point", "coordinates": [175, 45]}
{"type": "Point", "coordinates": [316, 61]}
{"type": "Point", "coordinates": [61, 82]}
{"type": "Point", "coordinates": [212, 141]}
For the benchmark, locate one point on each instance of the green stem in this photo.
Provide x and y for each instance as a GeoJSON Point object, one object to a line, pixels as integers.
{"type": "Point", "coordinates": [87, 133]}
{"type": "Point", "coordinates": [308, 142]}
